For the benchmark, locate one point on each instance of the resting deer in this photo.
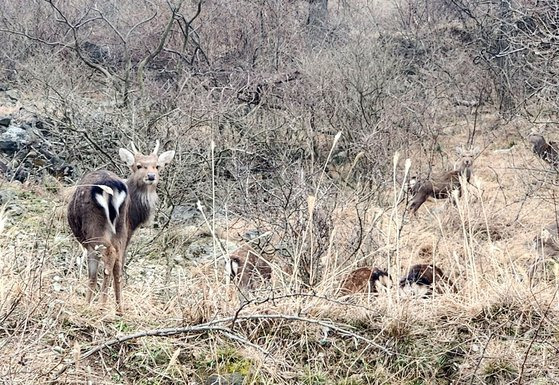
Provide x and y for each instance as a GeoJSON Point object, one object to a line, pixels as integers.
{"type": "Point", "coordinates": [547, 151]}
{"type": "Point", "coordinates": [425, 276]}
{"type": "Point", "coordinates": [105, 210]}
{"type": "Point", "coordinates": [247, 268]}
{"type": "Point", "coordinates": [365, 280]}
{"type": "Point", "coordinates": [440, 186]}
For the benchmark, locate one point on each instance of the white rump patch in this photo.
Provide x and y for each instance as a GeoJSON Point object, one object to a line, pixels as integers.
{"type": "Point", "coordinates": [231, 267]}
{"type": "Point", "coordinates": [116, 202]}
{"type": "Point", "coordinates": [118, 199]}
{"type": "Point", "coordinates": [103, 200]}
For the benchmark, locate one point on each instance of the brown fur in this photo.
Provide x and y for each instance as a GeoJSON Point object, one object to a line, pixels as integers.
{"type": "Point", "coordinates": [252, 269]}
{"type": "Point", "coordinates": [548, 241]}
{"type": "Point", "coordinates": [364, 280]}
{"type": "Point", "coordinates": [440, 186]}
{"type": "Point", "coordinates": [89, 223]}
{"type": "Point", "coordinates": [547, 151]}
{"type": "Point", "coordinates": [426, 275]}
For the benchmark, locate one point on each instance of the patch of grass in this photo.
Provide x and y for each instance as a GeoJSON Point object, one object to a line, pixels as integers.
{"type": "Point", "coordinates": [498, 371]}
{"type": "Point", "coordinates": [313, 377]}
{"type": "Point", "coordinates": [227, 359]}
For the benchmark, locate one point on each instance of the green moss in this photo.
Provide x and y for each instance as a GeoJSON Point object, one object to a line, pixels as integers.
{"type": "Point", "coordinates": [123, 327]}
{"type": "Point", "coordinates": [227, 360]}
{"type": "Point", "coordinates": [313, 377]}
{"type": "Point", "coordinates": [499, 371]}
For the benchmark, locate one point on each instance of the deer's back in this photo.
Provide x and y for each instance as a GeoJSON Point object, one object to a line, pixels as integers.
{"type": "Point", "coordinates": [362, 280]}
{"type": "Point", "coordinates": [86, 217]}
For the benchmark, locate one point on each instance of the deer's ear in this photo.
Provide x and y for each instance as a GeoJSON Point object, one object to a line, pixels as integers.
{"type": "Point", "coordinates": [165, 158]}
{"type": "Point", "coordinates": [126, 156]}
{"type": "Point", "coordinates": [475, 151]}
{"type": "Point", "coordinates": [459, 150]}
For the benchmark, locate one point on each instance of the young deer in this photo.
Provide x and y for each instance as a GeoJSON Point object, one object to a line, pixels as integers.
{"type": "Point", "coordinates": [247, 268]}
{"type": "Point", "coordinates": [547, 151]}
{"type": "Point", "coordinates": [425, 276]}
{"type": "Point", "coordinates": [105, 210]}
{"type": "Point", "coordinates": [365, 280]}
{"type": "Point", "coordinates": [440, 186]}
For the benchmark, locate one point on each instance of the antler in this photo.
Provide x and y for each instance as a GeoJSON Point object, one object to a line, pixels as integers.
{"type": "Point", "coordinates": [156, 147]}
{"type": "Point", "coordinates": [134, 149]}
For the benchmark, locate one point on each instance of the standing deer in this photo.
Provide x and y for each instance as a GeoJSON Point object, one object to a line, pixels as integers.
{"type": "Point", "coordinates": [105, 210]}
{"type": "Point", "coordinates": [547, 245]}
{"type": "Point", "coordinates": [440, 186]}
{"type": "Point", "coordinates": [365, 280]}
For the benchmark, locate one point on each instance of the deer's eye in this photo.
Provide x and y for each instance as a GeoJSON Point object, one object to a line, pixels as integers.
{"type": "Point", "coordinates": [138, 166]}
{"type": "Point", "coordinates": [157, 167]}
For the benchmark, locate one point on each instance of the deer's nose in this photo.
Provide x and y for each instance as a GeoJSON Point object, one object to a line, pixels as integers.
{"type": "Point", "coordinates": [151, 176]}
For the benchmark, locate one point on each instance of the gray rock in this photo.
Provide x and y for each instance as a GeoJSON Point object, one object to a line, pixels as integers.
{"type": "Point", "coordinates": [236, 379]}
{"type": "Point", "coordinates": [216, 379]}
{"type": "Point", "coordinates": [5, 121]}
{"type": "Point", "coordinates": [13, 139]}
{"type": "Point", "coordinates": [15, 210]}
{"type": "Point", "coordinates": [186, 214]}
{"type": "Point", "coordinates": [12, 94]}
{"type": "Point", "coordinates": [7, 196]}
{"type": "Point", "coordinates": [228, 379]}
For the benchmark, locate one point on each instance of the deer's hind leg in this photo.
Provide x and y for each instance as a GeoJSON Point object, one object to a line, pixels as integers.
{"type": "Point", "coordinates": [117, 276]}
{"type": "Point", "coordinates": [109, 260]}
{"type": "Point", "coordinates": [93, 256]}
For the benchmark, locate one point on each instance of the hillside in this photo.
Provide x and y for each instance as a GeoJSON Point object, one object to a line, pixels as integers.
{"type": "Point", "coordinates": [292, 124]}
{"type": "Point", "coordinates": [499, 325]}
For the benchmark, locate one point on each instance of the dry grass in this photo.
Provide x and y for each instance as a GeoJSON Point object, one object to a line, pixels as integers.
{"type": "Point", "coordinates": [498, 328]}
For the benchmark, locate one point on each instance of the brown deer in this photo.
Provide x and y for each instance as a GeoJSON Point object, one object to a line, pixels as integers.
{"type": "Point", "coordinates": [425, 276]}
{"type": "Point", "coordinates": [365, 280]}
{"type": "Point", "coordinates": [247, 268]}
{"type": "Point", "coordinates": [547, 242]}
{"type": "Point", "coordinates": [548, 151]}
{"type": "Point", "coordinates": [440, 186]}
{"type": "Point", "coordinates": [105, 210]}
{"type": "Point", "coordinates": [547, 245]}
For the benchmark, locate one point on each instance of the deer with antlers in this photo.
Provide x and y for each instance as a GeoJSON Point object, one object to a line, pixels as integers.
{"type": "Point", "coordinates": [440, 186]}
{"type": "Point", "coordinates": [105, 210]}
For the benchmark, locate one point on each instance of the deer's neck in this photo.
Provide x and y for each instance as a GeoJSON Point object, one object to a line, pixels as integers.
{"type": "Point", "coordinates": [143, 200]}
{"type": "Point", "coordinates": [466, 171]}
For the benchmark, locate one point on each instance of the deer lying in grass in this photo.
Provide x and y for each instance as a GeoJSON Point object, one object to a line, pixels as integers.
{"type": "Point", "coordinates": [105, 210]}
{"type": "Point", "coordinates": [547, 151]}
{"type": "Point", "coordinates": [365, 280]}
{"type": "Point", "coordinates": [247, 268]}
{"type": "Point", "coordinates": [425, 276]}
{"type": "Point", "coordinates": [440, 186]}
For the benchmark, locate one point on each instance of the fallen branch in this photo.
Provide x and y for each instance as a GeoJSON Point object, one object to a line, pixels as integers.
{"type": "Point", "coordinates": [203, 328]}
{"type": "Point", "coordinates": [228, 332]}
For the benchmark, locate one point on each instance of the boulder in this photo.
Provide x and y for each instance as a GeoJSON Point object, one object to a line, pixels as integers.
{"type": "Point", "coordinates": [187, 214]}
{"type": "Point", "coordinates": [13, 139]}
{"type": "Point", "coordinates": [5, 121]}
{"type": "Point", "coordinates": [228, 379]}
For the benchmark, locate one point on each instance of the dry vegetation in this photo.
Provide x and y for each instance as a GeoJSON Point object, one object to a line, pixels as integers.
{"type": "Point", "coordinates": [252, 96]}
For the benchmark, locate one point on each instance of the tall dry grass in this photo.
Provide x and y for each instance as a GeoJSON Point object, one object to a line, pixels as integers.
{"type": "Point", "coordinates": [499, 327]}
